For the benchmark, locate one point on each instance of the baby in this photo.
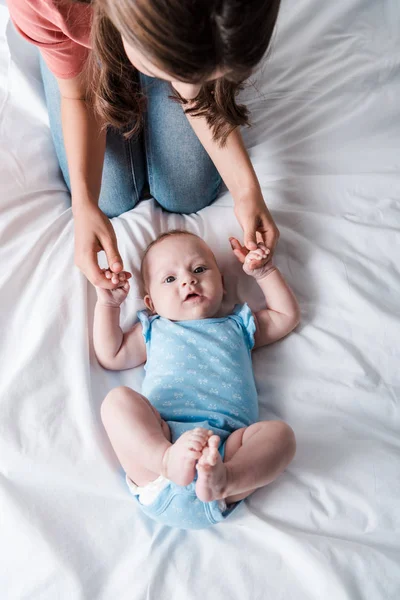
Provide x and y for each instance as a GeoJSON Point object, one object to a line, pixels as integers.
{"type": "Point", "coordinates": [191, 445]}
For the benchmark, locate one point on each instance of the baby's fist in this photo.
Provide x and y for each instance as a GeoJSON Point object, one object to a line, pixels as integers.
{"type": "Point", "coordinates": [257, 262]}
{"type": "Point", "coordinates": [114, 298]}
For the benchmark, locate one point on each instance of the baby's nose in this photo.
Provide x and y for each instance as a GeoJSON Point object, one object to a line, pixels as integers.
{"type": "Point", "coordinates": [189, 280]}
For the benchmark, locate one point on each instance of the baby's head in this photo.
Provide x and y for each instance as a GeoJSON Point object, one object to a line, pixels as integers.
{"type": "Point", "coordinates": [181, 277]}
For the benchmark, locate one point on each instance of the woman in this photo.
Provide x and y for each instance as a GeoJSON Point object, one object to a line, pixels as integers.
{"type": "Point", "coordinates": [98, 58]}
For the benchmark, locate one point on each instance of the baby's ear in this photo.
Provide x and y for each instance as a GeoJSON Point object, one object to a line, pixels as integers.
{"type": "Point", "coordinates": [223, 284]}
{"type": "Point", "coordinates": [148, 303]}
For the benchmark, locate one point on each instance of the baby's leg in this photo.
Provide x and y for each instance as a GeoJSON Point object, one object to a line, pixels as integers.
{"type": "Point", "coordinates": [141, 440]}
{"type": "Point", "coordinates": [254, 457]}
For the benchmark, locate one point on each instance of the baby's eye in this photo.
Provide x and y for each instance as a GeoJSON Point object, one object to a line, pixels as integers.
{"type": "Point", "coordinates": [170, 279]}
{"type": "Point", "coordinates": [199, 270]}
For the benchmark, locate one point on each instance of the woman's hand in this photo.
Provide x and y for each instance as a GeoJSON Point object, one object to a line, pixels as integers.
{"type": "Point", "coordinates": [93, 233]}
{"type": "Point", "coordinates": [256, 221]}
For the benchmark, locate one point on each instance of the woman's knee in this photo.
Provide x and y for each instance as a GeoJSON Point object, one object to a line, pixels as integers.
{"type": "Point", "coordinates": [186, 193]}
{"type": "Point", "coordinates": [124, 175]}
{"type": "Point", "coordinates": [182, 177]}
{"type": "Point", "coordinates": [124, 172]}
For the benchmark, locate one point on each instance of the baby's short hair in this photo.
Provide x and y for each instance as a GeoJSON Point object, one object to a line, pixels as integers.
{"type": "Point", "coordinates": [158, 239]}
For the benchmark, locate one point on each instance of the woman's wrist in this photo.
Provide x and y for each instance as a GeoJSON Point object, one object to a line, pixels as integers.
{"type": "Point", "coordinates": [244, 192]}
{"type": "Point", "coordinates": [82, 200]}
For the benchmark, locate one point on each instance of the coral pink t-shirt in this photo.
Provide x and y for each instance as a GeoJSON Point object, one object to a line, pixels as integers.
{"type": "Point", "coordinates": [60, 28]}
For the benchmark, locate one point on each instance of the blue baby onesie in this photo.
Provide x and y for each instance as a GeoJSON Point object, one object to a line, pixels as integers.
{"type": "Point", "coordinates": [199, 374]}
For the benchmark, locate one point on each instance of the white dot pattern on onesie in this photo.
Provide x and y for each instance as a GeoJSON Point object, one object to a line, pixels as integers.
{"type": "Point", "coordinates": [199, 373]}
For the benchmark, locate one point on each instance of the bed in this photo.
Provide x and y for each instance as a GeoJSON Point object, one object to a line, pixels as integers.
{"type": "Point", "coordinates": [325, 143]}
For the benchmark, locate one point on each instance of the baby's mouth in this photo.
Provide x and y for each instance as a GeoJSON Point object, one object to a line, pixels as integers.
{"type": "Point", "coordinates": [192, 296]}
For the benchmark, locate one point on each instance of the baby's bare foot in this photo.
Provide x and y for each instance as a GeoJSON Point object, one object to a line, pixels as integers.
{"type": "Point", "coordinates": [179, 461]}
{"type": "Point", "coordinates": [212, 475]}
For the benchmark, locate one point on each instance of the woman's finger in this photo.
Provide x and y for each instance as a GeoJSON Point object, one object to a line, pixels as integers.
{"type": "Point", "coordinates": [239, 255]}
{"type": "Point", "coordinates": [271, 237]}
{"type": "Point", "coordinates": [90, 267]}
{"type": "Point", "coordinates": [250, 237]}
{"type": "Point", "coordinates": [114, 259]}
{"type": "Point", "coordinates": [239, 251]}
{"type": "Point", "coordinates": [249, 223]}
{"type": "Point", "coordinates": [235, 244]}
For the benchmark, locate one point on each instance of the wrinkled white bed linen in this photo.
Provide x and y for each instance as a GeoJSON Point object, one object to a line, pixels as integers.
{"type": "Point", "coordinates": [326, 147]}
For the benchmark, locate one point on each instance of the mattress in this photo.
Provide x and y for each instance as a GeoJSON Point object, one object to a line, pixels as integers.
{"type": "Point", "coordinates": [325, 143]}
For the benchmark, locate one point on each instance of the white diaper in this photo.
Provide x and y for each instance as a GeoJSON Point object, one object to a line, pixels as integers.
{"type": "Point", "coordinates": [148, 493]}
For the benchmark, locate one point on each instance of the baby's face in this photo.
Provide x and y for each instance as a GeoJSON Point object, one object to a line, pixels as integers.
{"type": "Point", "coordinates": [183, 279]}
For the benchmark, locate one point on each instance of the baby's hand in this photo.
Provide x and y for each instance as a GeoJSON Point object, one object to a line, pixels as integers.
{"type": "Point", "coordinates": [256, 263]}
{"type": "Point", "coordinates": [114, 298]}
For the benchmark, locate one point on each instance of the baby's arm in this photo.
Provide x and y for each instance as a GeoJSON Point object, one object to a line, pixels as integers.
{"type": "Point", "coordinates": [282, 314]}
{"type": "Point", "coordinates": [114, 349]}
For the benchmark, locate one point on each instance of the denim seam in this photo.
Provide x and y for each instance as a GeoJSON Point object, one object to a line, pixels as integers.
{"type": "Point", "coordinates": [147, 146]}
{"type": "Point", "coordinates": [149, 162]}
{"type": "Point", "coordinates": [131, 162]}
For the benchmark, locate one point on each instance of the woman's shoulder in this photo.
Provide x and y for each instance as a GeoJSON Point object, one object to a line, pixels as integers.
{"type": "Point", "coordinates": [60, 28]}
{"type": "Point", "coordinates": [47, 21]}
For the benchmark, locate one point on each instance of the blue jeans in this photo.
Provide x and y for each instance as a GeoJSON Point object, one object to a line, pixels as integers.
{"type": "Point", "coordinates": [167, 155]}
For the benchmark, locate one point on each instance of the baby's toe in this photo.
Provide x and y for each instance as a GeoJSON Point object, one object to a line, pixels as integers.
{"type": "Point", "coordinates": [213, 457]}
{"type": "Point", "coordinates": [200, 434]}
{"type": "Point", "coordinates": [214, 441]}
{"type": "Point", "coordinates": [194, 444]}
{"type": "Point", "coordinates": [203, 460]}
{"type": "Point", "coordinates": [195, 454]}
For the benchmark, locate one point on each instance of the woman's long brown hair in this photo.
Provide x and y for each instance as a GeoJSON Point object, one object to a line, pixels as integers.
{"type": "Point", "coordinates": [190, 39]}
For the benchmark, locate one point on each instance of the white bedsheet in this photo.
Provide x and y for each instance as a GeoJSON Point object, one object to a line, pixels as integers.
{"type": "Point", "coordinates": [326, 147]}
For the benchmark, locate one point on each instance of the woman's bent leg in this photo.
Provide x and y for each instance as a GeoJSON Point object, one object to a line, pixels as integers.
{"type": "Point", "coordinates": [182, 177]}
{"type": "Point", "coordinates": [124, 173]}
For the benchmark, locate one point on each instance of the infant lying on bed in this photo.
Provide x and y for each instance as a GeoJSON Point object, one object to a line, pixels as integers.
{"type": "Point", "coordinates": [191, 445]}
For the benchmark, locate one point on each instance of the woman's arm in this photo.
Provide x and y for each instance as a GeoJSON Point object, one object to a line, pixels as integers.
{"type": "Point", "coordinates": [85, 141]}
{"type": "Point", "coordinates": [235, 168]}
